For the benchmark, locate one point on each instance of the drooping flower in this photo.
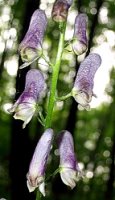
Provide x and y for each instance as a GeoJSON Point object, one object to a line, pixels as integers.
{"type": "Point", "coordinates": [60, 10]}
{"type": "Point", "coordinates": [25, 106]}
{"type": "Point", "coordinates": [36, 174]}
{"type": "Point", "coordinates": [68, 163]}
{"type": "Point", "coordinates": [31, 46]}
{"type": "Point", "coordinates": [84, 82]}
{"type": "Point", "coordinates": [80, 41]}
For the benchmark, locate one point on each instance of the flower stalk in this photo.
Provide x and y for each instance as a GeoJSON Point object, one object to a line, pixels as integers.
{"type": "Point", "coordinates": [62, 98]}
{"type": "Point", "coordinates": [55, 74]}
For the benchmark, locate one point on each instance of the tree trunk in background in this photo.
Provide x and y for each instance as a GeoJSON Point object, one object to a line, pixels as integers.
{"type": "Point", "coordinates": [20, 144]}
{"type": "Point", "coordinates": [3, 57]}
{"type": "Point", "coordinates": [94, 24]}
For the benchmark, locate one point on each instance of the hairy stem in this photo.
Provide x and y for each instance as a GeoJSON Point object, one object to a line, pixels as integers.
{"type": "Point", "coordinates": [55, 74]}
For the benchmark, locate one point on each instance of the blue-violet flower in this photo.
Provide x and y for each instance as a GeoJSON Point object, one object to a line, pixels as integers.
{"type": "Point", "coordinates": [25, 106]}
{"type": "Point", "coordinates": [84, 82]}
{"type": "Point", "coordinates": [80, 41]}
{"type": "Point", "coordinates": [36, 174]}
{"type": "Point", "coordinates": [31, 46]}
{"type": "Point", "coordinates": [60, 10]}
{"type": "Point", "coordinates": [68, 163]}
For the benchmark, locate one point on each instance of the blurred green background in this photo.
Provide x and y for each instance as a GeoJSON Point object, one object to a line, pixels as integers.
{"type": "Point", "coordinates": [93, 132]}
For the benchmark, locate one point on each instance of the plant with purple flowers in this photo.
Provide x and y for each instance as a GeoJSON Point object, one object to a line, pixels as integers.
{"type": "Point", "coordinates": [82, 91]}
{"type": "Point", "coordinates": [25, 107]}
{"type": "Point", "coordinates": [68, 163]}
{"type": "Point", "coordinates": [31, 46]}
{"type": "Point", "coordinates": [36, 174]}
{"type": "Point", "coordinates": [80, 42]}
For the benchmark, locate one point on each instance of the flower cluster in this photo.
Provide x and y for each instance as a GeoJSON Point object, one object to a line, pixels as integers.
{"type": "Point", "coordinates": [68, 167]}
{"type": "Point", "coordinates": [25, 106]}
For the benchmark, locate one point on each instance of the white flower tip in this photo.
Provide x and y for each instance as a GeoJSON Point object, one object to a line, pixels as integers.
{"type": "Point", "coordinates": [24, 125]}
{"type": "Point", "coordinates": [82, 99]}
{"type": "Point", "coordinates": [68, 177]}
{"type": "Point", "coordinates": [34, 181]}
{"type": "Point", "coordinates": [27, 63]}
{"type": "Point", "coordinates": [87, 107]}
{"type": "Point", "coordinates": [30, 188]}
{"type": "Point", "coordinates": [79, 47]}
{"type": "Point", "coordinates": [42, 188]}
{"type": "Point", "coordinates": [11, 110]}
{"type": "Point", "coordinates": [80, 173]}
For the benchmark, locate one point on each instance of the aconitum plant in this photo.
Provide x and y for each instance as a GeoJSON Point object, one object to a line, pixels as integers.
{"type": "Point", "coordinates": [36, 174]}
{"type": "Point", "coordinates": [31, 46]}
{"type": "Point", "coordinates": [80, 37]}
{"type": "Point", "coordinates": [25, 107]}
{"type": "Point", "coordinates": [27, 104]}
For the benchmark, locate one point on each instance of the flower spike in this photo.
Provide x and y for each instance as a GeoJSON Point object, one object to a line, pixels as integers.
{"type": "Point", "coordinates": [25, 106]}
{"type": "Point", "coordinates": [31, 46]}
{"type": "Point", "coordinates": [80, 41]}
{"type": "Point", "coordinates": [60, 10]}
{"type": "Point", "coordinates": [83, 86]}
{"type": "Point", "coordinates": [68, 163]}
{"type": "Point", "coordinates": [36, 174]}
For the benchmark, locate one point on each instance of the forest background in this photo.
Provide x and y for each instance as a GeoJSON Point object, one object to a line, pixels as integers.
{"type": "Point", "coordinates": [93, 132]}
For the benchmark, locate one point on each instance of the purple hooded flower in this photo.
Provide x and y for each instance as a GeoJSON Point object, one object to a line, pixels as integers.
{"type": "Point", "coordinates": [83, 86]}
{"type": "Point", "coordinates": [36, 174]}
{"type": "Point", "coordinates": [25, 106]}
{"type": "Point", "coordinates": [68, 163]}
{"type": "Point", "coordinates": [60, 10]}
{"type": "Point", "coordinates": [79, 38]}
{"type": "Point", "coordinates": [31, 46]}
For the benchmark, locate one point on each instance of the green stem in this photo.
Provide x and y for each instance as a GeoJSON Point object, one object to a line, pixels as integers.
{"type": "Point", "coordinates": [55, 74]}
{"type": "Point", "coordinates": [38, 195]}
{"type": "Point", "coordinates": [62, 98]}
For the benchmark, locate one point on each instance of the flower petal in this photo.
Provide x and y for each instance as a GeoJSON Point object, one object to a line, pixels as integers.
{"type": "Point", "coordinates": [68, 163]}
{"type": "Point", "coordinates": [84, 82]}
{"type": "Point", "coordinates": [31, 46]}
{"type": "Point", "coordinates": [25, 106]}
{"type": "Point", "coordinates": [38, 163]}
{"type": "Point", "coordinates": [60, 10]}
{"type": "Point", "coordinates": [80, 42]}
{"type": "Point", "coordinates": [68, 177]}
{"type": "Point", "coordinates": [42, 188]}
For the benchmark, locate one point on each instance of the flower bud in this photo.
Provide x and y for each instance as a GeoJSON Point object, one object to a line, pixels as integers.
{"type": "Point", "coordinates": [25, 106]}
{"type": "Point", "coordinates": [36, 174]}
{"type": "Point", "coordinates": [31, 46]}
{"type": "Point", "coordinates": [60, 10]}
{"type": "Point", "coordinates": [68, 163]}
{"type": "Point", "coordinates": [80, 42]}
{"type": "Point", "coordinates": [83, 86]}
